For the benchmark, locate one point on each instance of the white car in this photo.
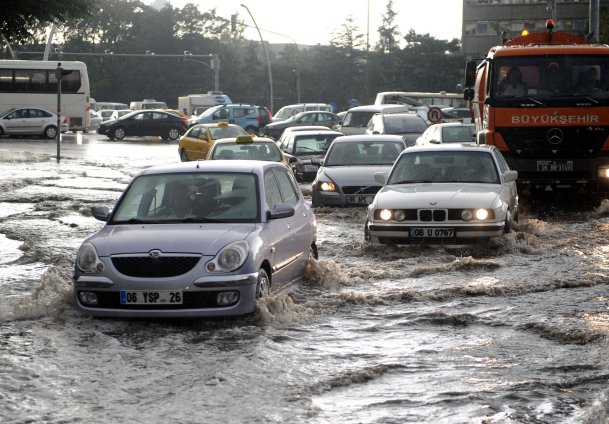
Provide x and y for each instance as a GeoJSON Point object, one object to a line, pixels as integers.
{"type": "Point", "coordinates": [346, 175]}
{"type": "Point", "coordinates": [31, 121]}
{"type": "Point", "coordinates": [118, 113]}
{"type": "Point", "coordinates": [95, 119]}
{"type": "Point", "coordinates": [444, 194]}
{"type": "Point", "coordinates": [448, 132]}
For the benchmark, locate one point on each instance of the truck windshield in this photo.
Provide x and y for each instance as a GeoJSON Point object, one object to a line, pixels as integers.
{"type": "Point", "coordinates": [551, 76]}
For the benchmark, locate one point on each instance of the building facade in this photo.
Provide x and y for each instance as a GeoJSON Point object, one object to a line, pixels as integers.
{"type": "Point", "coordinates": [486, 23]}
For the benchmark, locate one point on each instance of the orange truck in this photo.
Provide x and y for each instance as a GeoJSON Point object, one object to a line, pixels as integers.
{"type": "Point", "coordinates": [543, 100]}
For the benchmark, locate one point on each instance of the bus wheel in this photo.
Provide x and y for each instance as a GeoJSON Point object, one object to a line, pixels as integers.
{"type": "Point", "coordinates": [119, 133]}
{"type": "Point", "coordinates": [183, 155]}
{"type": "Point", "coordinates": [50, 131]}
{"type": "Point", "coordinates": [173, 134]}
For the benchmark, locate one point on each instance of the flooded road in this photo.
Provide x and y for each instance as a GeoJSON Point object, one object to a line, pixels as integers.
{"type": "Point", "coordinates": [512, 331]}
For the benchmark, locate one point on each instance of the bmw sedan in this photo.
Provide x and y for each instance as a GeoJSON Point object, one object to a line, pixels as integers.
{"type": "Point", "coordinates": [444, 194]}
{"type": "Point", "coordinates": [154, 123]}
{"type": "Point", "coordinates": [196, 239]}
{"type": "Point", "coordinates": [346, 174]}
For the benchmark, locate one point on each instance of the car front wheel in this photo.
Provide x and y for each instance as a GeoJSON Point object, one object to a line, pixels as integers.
{"type": "Point", "coordinates": [50, 131]}
{"type": "Point", "coordinates": [173, 134]}
{"type": "Point", "coordinates": [263, 286]}
{"type": "Point", "coordinates": [119, 133]}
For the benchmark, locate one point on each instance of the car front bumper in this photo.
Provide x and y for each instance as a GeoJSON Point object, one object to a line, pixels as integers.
{"type": "Point", "coordinates": [199, 297]}
{"type": "Point", "coordinates": [461, 232]}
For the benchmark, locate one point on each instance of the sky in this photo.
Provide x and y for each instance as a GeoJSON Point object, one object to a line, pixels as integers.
{"type": "Point", "coordinates": [315, 21]}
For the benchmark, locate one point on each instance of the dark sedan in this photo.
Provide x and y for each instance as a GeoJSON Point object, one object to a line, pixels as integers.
{"type": "Point", "coordinates": [166, 125]}
{"type": "Point", "coordinates": [326, 119]}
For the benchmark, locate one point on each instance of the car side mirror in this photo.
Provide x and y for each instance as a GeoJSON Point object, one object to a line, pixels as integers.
{"type": "Point", "coordinates": [435, 141]}
{"type": "Point", "coordinates": [281, 210]}
{"type": "Point", "coordinates": [101, 213]}
{"type": "Point", "coordinates": [509, 176]}
{"type": "Point", "coordinates": [292, 159]}
{"type": "Point", "coordinates": [380, 177]}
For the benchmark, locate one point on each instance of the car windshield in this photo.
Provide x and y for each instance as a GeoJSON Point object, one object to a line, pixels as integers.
{"type": "Point", "coordinates": [441, 166]}
{"type": "Point", "coordinates": [305, 145]}
{"type": "Point", "coordinates": [357, 119]}
{"type": "Point", "coordinates": [226, 132]}
{"type": "Point", "coordinates": [400, 124]}
{"type": "Point", "coordinates": [189, 198]}
{"type": "Point", "coordinates": [363, 153]}
{"type": "Point", "coordinates": [458, 134]}
{"type": "Point", "coordinates": [250, 151]}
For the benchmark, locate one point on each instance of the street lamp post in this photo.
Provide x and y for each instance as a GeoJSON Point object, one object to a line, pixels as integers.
{"type": "Point", "coordinates": [214, 65]}
{"type": "Point", "coordinates": [268, 58]}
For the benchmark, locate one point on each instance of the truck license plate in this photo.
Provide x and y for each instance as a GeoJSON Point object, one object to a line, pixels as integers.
{"type": "Point", "coordinates": [553, 166]}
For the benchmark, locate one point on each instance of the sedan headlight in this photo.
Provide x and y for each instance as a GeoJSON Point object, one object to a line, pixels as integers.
{"type": "Point", "coordinates": [87, 259]}
{"type": "Point", "coordinates": [230, 258]}
{"type": "Point", "coordinates": [326, 186]}
{"type": "Point", "coordinates": [477, 214]}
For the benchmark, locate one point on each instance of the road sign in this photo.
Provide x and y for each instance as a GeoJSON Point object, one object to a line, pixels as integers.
{"type": "Point", "coordinates": [434, 114]}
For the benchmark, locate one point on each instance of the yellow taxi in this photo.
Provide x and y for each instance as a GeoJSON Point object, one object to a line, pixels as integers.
{"type": "Point", "coordinates": [177, 112]}
{"type": "Point", "coordinates": [247, 147]}
{"type": "Point", "coordinates": [195, 144]}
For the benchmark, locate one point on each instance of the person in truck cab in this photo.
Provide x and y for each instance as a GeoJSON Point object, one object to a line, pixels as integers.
{"type": "Point", "coordinates": [512, 84]}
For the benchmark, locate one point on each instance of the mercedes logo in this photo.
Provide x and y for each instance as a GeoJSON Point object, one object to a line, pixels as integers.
{"type": "Point", "coordinates": [555, 136]}
{"type": "Point", "coordinates": [154, 254]}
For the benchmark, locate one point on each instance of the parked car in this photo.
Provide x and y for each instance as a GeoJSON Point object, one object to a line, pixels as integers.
{"type": "Point", "coordinates": [106, 114]}
{"type": "Point", "coordinates": [409, 125]}
{"type": "Point", "coordinates": [291, 110]}
{"type": "Point", "coordinates": [249, 117]}
{"type": "Point", "coordinates": [346, 174]}
{"type": "Point", "coordinates": [246, 147]}
{"type": "Point", "coordinates": [448, 132]}
{"type": "Point", "coordinates": [95, 120]}
{"type": "Point", "coordinates": [31, 121]}
{"type": "Point", "coordinates": [356, 119]}
{"type": "Point", "coordinates": [446, 194]}
{"type": "Point", "coordinates": [197, 239]}
{"type": "Point", "coordinates": [304, 146]}
{"type": "Point", "coordinates": [117, 113]}
{"type": "Point", "coordinates": [326, 119]}
{"type": "Point", "coordinates": [195, 144]}
{"type": "Point", "coordinates": [145, 123]}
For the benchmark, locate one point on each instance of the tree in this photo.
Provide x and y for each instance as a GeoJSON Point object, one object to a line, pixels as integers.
{"type": "Point", "coordinates": [21, 19]}
{"type": "Point", "coordinates": [388, 33]}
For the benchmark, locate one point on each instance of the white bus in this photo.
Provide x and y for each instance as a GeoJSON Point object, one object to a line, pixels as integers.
{"type": "Point", "coordinates": [33, 83]}
{"type": "Point", "coordinates": [416, 98]}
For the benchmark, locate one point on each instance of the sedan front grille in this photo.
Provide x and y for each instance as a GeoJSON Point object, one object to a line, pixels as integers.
{"type": "Point", "coordinates": [360, 189]}
{"type": "Point", "coordinates": [154, 267]}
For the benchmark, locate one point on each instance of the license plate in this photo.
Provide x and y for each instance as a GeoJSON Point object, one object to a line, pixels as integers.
{"type": "Point", "coordinates": [360, 199]}
{"type": "Point", "coordinates": [432, 232]}
{"type": "Point", "coordinates": [146, 297]}
{"type": "Point", "coordinates": [552, 166]}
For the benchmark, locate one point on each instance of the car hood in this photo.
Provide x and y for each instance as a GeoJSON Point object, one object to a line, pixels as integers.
{"type": "Point", "coordinates": [355, 175]}
{"type": "Point", "coordinates": [438, 195]}
{"type": "Point", "coordinates": [206, 239]}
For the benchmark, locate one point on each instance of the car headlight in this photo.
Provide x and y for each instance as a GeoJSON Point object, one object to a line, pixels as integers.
{"type": "Point", "coordinates": [87, 259]}
{"type": "Point", "coordinates": [386, 214]}
{"type": "Point", "coordinates": [326, 186]}
{"type": "Point", "coordinates": [477, 214]}
{"type": "Point", "coordinates": [481, 214]}
{"type": "Point", "coordinates": [603, 172]}
{"type": "Point", "coordinates": [231, 257]}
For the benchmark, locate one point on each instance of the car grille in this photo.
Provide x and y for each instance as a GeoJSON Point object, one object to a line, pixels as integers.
{"type": "Point", "coordinates": [360, 189]}
{"type": "Point", "coordinates": [154, 267]}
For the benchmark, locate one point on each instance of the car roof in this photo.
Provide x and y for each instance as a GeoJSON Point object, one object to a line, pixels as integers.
{"type": "Point", "coordinates": [369, 137]}
{"type": "Point", "coordinates": [215, 124]}
{"type": "Point", "coordinates": [256, 139]}
{"type": "Point", "coordinates": [451, 146]}
{"type": "Point", "coordinates": [242, 166]}
{"type": "Point", "coordinates": [315, 132]}
{"type": "Point", "coordinates": [378, 108]}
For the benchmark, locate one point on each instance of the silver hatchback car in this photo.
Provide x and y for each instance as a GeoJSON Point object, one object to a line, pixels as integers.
{"type": "Point", "coordinates": [196, 239]}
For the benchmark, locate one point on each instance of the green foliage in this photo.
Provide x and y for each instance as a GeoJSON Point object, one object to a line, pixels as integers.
{"type": "Point", "coordinates": [21, 19]}
{"type": "Point", "coordinates": [343, 70]}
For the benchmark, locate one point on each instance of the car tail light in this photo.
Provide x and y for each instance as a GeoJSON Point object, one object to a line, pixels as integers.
{"type": "Point", "coordinates": [184, 121]}
{"type": "Point", "coordinates": [65, 119]}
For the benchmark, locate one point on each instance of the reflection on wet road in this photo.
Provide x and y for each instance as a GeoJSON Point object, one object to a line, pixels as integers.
{"type": "Point", "coordinates": [510, 331]}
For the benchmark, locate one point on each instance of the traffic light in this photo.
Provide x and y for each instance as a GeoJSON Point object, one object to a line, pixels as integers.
{"type": "Point", "coordinates": [233, 22]}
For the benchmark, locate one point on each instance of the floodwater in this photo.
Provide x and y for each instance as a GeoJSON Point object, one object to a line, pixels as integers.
{"type": "Point", "coordinates": [512, 331]}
